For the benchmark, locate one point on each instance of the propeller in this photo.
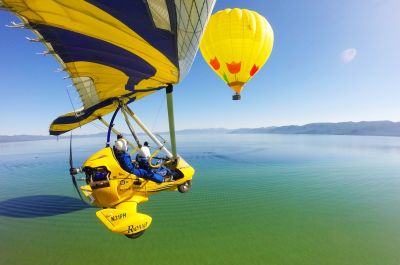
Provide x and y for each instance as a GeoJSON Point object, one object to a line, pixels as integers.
{"type": "Point", "coordinates": [71, 167]}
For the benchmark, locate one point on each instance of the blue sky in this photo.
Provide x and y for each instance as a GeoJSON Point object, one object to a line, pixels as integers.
{"type": "Point", "coordinates": [309, 77]}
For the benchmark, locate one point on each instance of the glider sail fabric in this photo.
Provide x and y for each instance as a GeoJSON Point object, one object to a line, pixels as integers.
{"type": "Point", "coordinates": [115, 49]}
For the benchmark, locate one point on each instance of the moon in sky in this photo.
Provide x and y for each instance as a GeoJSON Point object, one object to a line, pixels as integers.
{"type": "Point", "coordinates": [348, 55]}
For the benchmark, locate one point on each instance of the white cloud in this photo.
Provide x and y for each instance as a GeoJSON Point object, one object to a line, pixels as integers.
{"type": "Point", "coordinates": [348, 55]}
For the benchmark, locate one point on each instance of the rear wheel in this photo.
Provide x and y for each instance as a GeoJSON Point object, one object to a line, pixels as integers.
{"type": "Point", "coordinates": [135, 235]}
{"type": "Point", "coordinates": [185, 187]}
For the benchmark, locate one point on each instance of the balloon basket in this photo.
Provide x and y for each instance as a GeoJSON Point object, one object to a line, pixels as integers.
{"type": "Point", "coordinates": [236, 97]}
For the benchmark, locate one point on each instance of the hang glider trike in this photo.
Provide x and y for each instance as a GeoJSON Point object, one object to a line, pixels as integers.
{"type": "Point", "coordinates": [118, 191]}
{"type": "Point", "coordinates": [116, 53]}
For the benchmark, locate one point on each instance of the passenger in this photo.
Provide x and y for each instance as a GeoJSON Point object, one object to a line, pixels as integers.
{"type": "Point", "coordinates": [143, 156]}
{"type": "Point", "coordinates": [124, 159]}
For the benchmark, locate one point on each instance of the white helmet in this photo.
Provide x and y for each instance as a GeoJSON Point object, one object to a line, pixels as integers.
{"type": "Point", "coordinates": [121, 145]}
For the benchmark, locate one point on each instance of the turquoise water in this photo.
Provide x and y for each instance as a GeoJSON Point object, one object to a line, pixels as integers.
{"type": "Point", "coordinates": [256, 199]}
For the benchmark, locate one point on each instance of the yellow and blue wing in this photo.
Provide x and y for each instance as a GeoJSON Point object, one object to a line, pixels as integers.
{"type": "Point", "coordinates": [114, 49]}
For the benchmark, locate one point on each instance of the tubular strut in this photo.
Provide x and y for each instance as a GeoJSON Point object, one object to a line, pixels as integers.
{"type": "Point", "coordinates": [130, 126]}
{"type": "Point", "coordinates": [126, 109]}
{"type": "Point", "coordinates": [170, 105]}
{"type": "Point", "coordinates": [115, 131]}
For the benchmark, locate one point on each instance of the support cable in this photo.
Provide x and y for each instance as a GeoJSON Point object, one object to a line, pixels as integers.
{"type": "Point", "coordinates": [147, 131]}
{"type": "Point", "coordinates": [73, 107]}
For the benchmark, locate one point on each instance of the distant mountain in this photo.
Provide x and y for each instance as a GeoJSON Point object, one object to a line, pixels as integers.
{"type": "Point", "coordinates": [372, 128]}
{"type": "Point", "coordinates": [24, 138]}
{"type": "Point", "coordinates": [209, 131]}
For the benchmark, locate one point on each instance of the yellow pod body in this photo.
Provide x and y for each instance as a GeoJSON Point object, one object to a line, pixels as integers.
{"type": "Point", "coordinates": [120, 183]}
{"type": "Point", "coordinates": [236, 44]}
{"type": "Point", "coordinates": [120, 192]}
{"type": "Point", "coordinates": [124, 219]}
{"type": "Point", "coordinates": [123, 185]}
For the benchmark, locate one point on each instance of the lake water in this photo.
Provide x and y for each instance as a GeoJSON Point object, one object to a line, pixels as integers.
{"type": "Point", "coordinates": [256, 199]}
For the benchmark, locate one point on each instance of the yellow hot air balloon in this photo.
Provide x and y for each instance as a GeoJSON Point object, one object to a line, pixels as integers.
{"type": "Point", "coordinates": [236, 44]}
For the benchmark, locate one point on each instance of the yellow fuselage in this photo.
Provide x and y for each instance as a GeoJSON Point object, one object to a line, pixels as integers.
{"type": "Point", "coordinates": [121, 191]}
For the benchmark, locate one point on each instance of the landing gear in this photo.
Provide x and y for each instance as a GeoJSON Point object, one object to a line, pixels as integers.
{"type": "Point", "coordinates": [185, 187]}
{"type": "Point", "coordinates": [136, 235]}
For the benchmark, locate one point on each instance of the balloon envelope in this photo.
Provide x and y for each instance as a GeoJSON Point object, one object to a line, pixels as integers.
{"type": "Point", "coordinates": [236, 44]}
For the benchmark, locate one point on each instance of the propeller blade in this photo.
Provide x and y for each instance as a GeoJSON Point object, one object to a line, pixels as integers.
{"type": "Point", "coordinates": [76, 187]}
{"type": "Point", "coordinates": [71, 165]}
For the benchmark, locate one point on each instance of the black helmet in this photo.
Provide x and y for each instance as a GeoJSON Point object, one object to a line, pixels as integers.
{"type": "Point", "coordinates": [146, 144]}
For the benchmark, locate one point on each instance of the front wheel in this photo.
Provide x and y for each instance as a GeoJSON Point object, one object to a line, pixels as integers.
{"type": "Point", "coordinates": [136, 235]}
{"type": "Point", "coordinates": [185, 187]}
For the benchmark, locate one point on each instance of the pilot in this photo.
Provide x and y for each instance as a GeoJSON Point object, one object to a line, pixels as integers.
{"type": "Point", "coordinates": [124, 159]}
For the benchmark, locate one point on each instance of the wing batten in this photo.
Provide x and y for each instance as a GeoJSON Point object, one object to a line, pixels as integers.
{"type": "Point", "coordinates": [140, 20]}
{"type": "Point", "coordinates": [84, 48]}
{"type": "Point", "coordinates": [77, 119]}
{"type": "Point", "coordinates": [113, 48]}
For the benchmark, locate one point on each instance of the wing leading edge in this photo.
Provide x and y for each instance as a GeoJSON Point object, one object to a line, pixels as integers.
{"type": "Point", "coordinates": [114, 49]}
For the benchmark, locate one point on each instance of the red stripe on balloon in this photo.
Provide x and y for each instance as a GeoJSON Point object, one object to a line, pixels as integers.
{"type": "Point", "coordinates": [254, 70]}
{"type": "Point", "coordinates": [215, 64]}
{"type": "Point", "coordinates": [233, 67]}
